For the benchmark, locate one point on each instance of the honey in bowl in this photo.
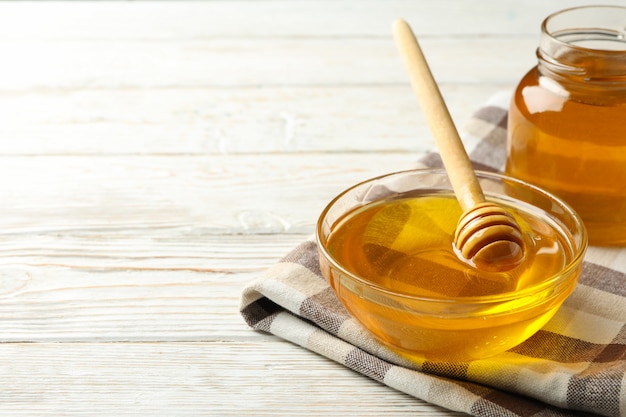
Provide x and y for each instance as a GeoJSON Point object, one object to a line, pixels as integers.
{"type": "Point", "coordinates": [393, 265]}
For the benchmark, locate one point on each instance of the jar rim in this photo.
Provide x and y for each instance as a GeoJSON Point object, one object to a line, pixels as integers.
{"type": "Point", "coordinates": [617, 33]}
{"type": "Point", "coordinates": [578, 47]}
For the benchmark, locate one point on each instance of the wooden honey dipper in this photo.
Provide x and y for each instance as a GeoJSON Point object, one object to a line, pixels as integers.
{"type": "Point", "coordinates": [486, 234]}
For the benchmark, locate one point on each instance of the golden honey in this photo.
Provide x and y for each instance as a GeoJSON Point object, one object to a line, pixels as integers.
{"type": "Point", "coordinates": [567, 119]}
{"type": "Point", "coordinates": [405, 245]}
{"type": "Point", "coordinates": [413, 288]}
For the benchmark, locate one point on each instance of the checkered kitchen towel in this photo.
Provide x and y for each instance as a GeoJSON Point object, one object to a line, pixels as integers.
{"type": "Point", "coordinates": [574, 366]}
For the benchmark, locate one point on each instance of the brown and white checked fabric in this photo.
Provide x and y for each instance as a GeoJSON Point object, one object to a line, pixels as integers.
{"type": "Point", "coordinates": [574, 366]}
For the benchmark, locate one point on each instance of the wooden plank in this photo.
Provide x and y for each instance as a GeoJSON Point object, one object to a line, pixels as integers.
{"type": "Point", "coordinates": [125, 196]}
{"type": "Point", "coordinates": [80, 64]}
{"type": "Point", "coordinates": [162, 20]}
{"type": "Point", "coordinates": [190, 379]}
{"type": "Point", "coordinates": [225, 120]}
{"type": "Point", "coordinates": [154, 248]}
{"type": "Point", "coordinates": [151, 304]}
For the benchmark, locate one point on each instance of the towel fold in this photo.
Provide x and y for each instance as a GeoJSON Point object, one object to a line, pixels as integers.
{"type": "Point", "coordinates": [574, 366]}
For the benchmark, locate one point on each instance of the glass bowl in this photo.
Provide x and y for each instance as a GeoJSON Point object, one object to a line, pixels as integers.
{"type": "Point", "coordinates": [385, 247]}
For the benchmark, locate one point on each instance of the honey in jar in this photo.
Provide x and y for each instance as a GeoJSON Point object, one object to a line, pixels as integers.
{"type": "Point", "coordinates": [567, 119]}
{"type": "Point", "coordinates": [404, 246]}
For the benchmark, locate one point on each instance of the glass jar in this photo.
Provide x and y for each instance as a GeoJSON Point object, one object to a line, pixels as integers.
{"type": "Point", "coordinates": [567, 119]}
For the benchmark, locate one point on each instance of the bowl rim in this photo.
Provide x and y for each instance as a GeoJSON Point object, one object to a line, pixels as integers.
{"type": "Point", "coordinates": [551, 282]}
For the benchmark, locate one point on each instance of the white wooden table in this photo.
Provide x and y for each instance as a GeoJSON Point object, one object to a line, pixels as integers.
{"type": "Point", "coordinates": [157, 156]}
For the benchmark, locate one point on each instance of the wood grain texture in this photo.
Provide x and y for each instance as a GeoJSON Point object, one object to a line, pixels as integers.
{"type": "Point", "coordinates": [219, 121]}
{"type": "Point", "coordinates": [209, 195]}
{"type": "Point", "coordinates": [103, 64]}
{"type": "Point", "coordinates": [189, 379]}
{"type": "Point", "coordinates": [156, 156]}
{"type": "Point", "coordinates": [159, 20]}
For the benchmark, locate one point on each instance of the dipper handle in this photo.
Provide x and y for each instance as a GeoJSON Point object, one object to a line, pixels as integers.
{"type": "Point", "coordinates": [455, 159]}
{"type": "Point", "coordinates": [486, 234]}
